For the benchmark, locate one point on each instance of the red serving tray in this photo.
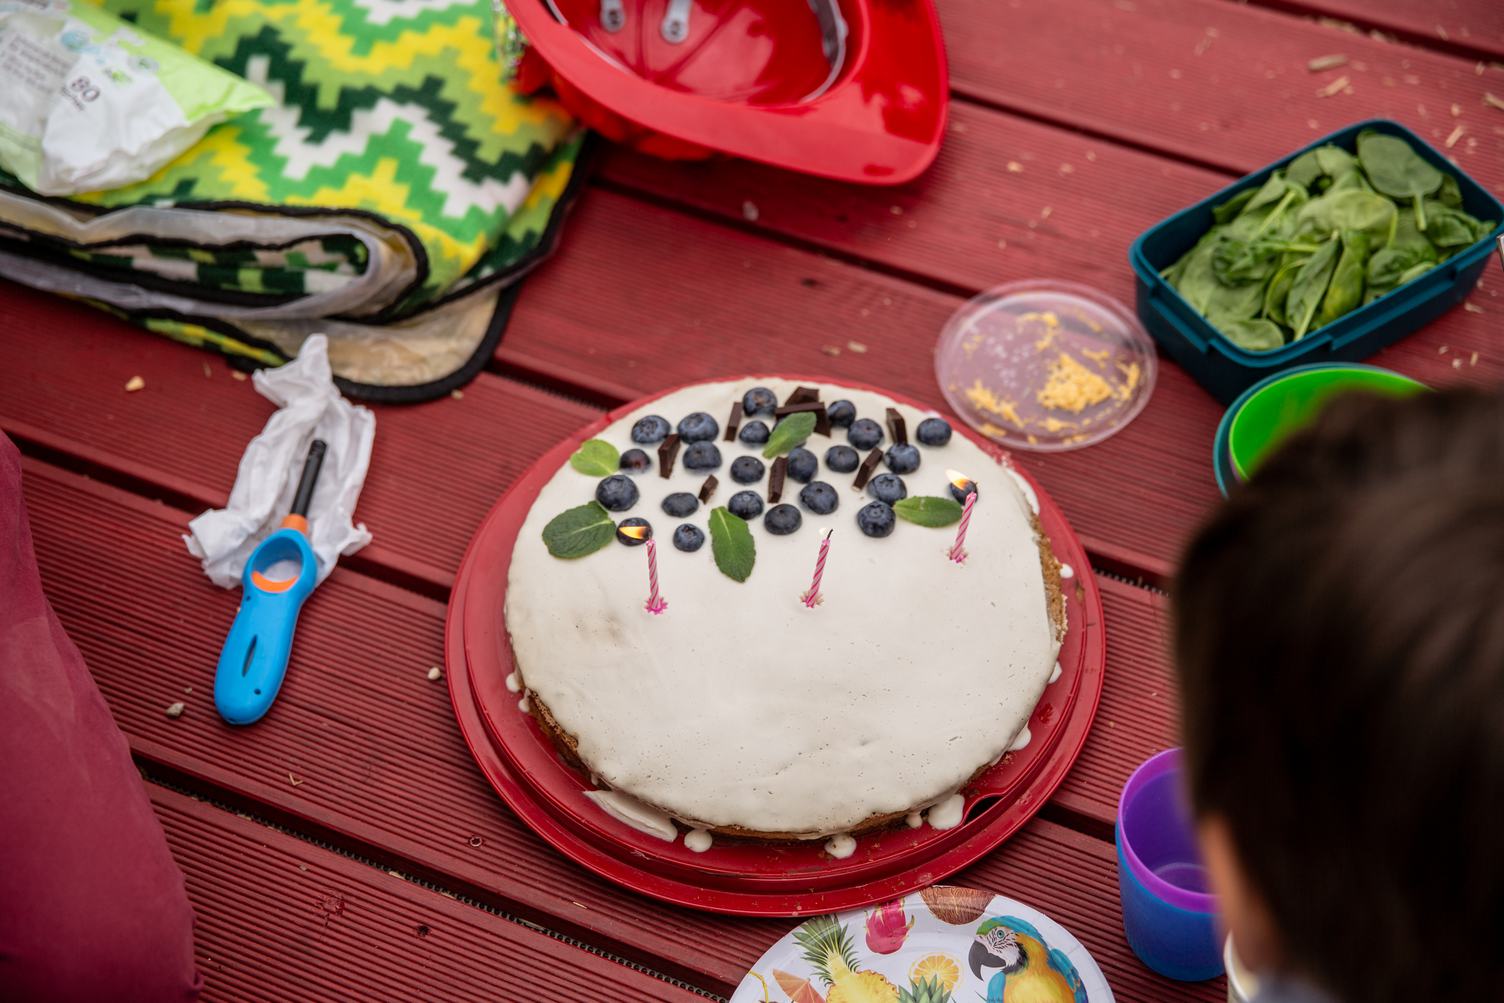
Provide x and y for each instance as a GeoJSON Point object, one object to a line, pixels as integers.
{"type": "Point", "coordinates": [735, 876]}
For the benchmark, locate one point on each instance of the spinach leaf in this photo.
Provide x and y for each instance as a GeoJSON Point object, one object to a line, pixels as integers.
{"type": "Point", "coordinates": [1309, 287]}
{"type": "Point", "coordinates": [1234, 302]}
{"type": "Point", "coordinates": [1346, 289]}
{"type": "Point", "coordinates": [1279, 290]}
{"type": "Point", "coordinates": [1452, 228]}
{"type": "Point", "coordinates": [1233, 206]}
{"type": "Point", "coordinates": [1347, 209]}
{"type": "Point", "coordinates": [1254, 334]}
{"type": "Point", "coordinates": [1396, 170]}
{"type": "Point", "coordinates": [1450, 194]}
{"type": "Point", "coordinates": [1305, 169]}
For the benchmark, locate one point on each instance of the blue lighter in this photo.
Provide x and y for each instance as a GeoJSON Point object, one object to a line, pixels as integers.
{"type": "Point", "coordinates": [279, 576]}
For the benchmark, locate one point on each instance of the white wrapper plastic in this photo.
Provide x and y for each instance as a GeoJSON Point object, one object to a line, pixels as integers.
{"type": "Point", "coordinates": [88, 102]}
{"type": "Point", "coordinates": [309, 408]}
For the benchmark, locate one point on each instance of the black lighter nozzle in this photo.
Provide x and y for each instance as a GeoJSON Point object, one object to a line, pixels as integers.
{"type": "Point", "coordinates": [311, 466]}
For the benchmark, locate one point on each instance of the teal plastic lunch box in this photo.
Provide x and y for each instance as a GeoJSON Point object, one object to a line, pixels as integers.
{"type": "Point", "coordinates": [1227, 370]}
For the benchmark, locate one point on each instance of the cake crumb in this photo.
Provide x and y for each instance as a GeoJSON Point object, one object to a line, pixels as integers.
{"type": "Point", "coordinates": [457, 394]}
{"type": "Point", "coordinates": [208, 373]}
{"type": "Point", "coordinates": [236, 374]}
{"type": "Point", "coordinates": [1014, 167]}
{"type": "Point", "coordinates": [1472, 308]}
{"type": "Point", "coordinates": [295, 781]}
{"type": "Point", "coordinates": [1323, 63]}
{"type": "Point", "coordinates": [1334, 88]}
{"type": "Point", "coordinates": [896, 210]}
{"type": "Point", "coordinates": [134, 383]}
{"type": "Point", "coordinates": [175, 709]}
{"type": "Point", "coordinates": [831, 350]}
{"type": "Point", "coordinates": [749, 211]}
{"type": "Point", "coordinates": [435, 673]}
{"type": "Point", "coordinates": [1493, 100]}
{"type": "Point", "coordinates": [1474, 360]}
{"type": "Point", "coordinates": [1457, 363]}
{"type": "Point", "coordinates": [1456, 110]}
{"type": "Point", "coordinates": [1456, 134]}
{"type": "Point", "coordinates": [857, 347]}
{"type": "Point", "coordinates": [1442, 350]}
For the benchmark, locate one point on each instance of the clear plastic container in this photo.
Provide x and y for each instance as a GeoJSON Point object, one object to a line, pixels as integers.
{"type": "Point", "coordinates": [1045, 365]}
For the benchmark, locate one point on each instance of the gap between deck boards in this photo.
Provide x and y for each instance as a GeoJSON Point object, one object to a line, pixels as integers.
{"type": "Point", "coordinates": [254, 811]}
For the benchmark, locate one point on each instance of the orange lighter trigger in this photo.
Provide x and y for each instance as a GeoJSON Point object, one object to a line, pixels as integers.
{"type": "Point", "coordinates": [297, 522]}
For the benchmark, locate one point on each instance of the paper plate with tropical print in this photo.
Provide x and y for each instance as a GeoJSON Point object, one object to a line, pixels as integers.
{"type": "Point", "coordinates": [939, 945]}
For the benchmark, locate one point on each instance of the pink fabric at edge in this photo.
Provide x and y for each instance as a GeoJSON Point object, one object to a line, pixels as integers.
{"type": "Point", "coordinates": [92, 906]}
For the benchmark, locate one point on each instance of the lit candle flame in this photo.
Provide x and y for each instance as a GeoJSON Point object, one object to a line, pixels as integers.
{"type": "Point", "coordinates": [960, 480]}
{"type": "Point", "coordinates": [635, 532]}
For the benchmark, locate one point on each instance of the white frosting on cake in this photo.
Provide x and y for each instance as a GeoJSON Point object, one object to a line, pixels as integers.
{"type": "Point", "coordinates": [634, 813]}
{"type": "Point", "coordinates": [841, 846]}
{"type": "Point", "coordinates": [948, 813]}
{"type": "Point", "coordinates": [740, 706]}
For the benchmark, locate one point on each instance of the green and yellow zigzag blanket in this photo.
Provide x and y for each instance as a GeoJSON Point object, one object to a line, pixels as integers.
{"type": "Point", "coordinates": [386, 199]}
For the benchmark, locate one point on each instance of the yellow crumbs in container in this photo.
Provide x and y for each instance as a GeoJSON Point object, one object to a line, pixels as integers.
{"type": "Point", "coordinates": [1072, 387]}
{"type": "Point", "coordinates": [985, 400]}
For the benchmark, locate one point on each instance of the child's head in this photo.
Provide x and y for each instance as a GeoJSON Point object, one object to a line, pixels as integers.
{"type": "Point", "coordinates": [1340, 643]}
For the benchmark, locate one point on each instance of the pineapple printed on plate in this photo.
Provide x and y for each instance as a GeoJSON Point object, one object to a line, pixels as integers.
{"type": "Point", "coordinates": [946, 945]}
{"type": "Point", "coordinates": [829, 950]}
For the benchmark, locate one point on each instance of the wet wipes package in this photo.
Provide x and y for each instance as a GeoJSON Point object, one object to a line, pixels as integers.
{"type": "Point", "coordinates": [90, 102]}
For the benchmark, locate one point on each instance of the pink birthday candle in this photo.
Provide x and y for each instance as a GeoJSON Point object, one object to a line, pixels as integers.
{"type": "Point", "coordinates": [812, 598]}
{"type": "Point", "coordinates": [958, 549]}
{"type": "Point", "coordinates": [656, 603]}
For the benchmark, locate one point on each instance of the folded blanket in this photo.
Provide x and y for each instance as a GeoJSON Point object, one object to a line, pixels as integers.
{"type": "Point", "coordinates": [387, 200]}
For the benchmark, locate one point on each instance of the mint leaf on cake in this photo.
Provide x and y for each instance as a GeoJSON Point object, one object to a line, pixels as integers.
{"type": "Point", "coordinates": [595, 457]}
{"type": "Point", "coordinates": [732, 545]}
{"type": "Point", "coordinates": [579, 531]}
{"type": "Point", "coordinates": [791, 432]}
{"type": "Point", "coordinates": [928, 511]}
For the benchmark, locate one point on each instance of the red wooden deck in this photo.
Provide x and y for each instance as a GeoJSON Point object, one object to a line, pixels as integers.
{"type": "Point", "coordinates": [353, 811]}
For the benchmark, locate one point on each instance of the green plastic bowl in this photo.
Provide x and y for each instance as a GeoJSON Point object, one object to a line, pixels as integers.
{"type": "Point", "coordinates": [1286, 403]}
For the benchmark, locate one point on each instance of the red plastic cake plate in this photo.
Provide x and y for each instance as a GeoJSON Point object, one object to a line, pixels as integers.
{"type": "Point", "coordinates": [734, 876]}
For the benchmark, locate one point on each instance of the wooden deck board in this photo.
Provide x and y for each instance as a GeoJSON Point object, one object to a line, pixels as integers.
{"type": "Point", "coordinates": [280, 919]}
{"type": "Point", "coordinates": [362, 748]}
{"type": "Point", "coordinates": [1213, 82]}
{"type": "Point", "coordinates": [436, 468]}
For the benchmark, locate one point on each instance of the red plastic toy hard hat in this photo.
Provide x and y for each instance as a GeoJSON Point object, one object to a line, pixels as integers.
{"type": "Point", "coordinates": [847, 89]}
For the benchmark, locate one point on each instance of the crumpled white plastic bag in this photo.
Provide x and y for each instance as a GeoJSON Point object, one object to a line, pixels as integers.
{"type": "Point", "coordinates": [309, 408]}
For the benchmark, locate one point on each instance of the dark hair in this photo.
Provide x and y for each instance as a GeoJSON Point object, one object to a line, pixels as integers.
{"type": "Point", "coordinates": [1339, 632]}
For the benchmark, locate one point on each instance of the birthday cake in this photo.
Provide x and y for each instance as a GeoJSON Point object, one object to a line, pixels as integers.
{"type": "Point", "coordinates": [776, 611]}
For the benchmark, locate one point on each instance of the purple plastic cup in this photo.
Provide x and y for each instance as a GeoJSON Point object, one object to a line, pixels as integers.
{"type": "Point", "coordinates": [1169, 912]}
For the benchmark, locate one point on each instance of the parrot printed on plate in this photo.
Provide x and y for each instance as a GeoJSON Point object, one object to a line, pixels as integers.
{"type": "Point", "coordinates": [1028, 969]}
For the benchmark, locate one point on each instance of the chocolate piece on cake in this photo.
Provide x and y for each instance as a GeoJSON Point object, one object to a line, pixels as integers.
{"type": "Point", "coordinates": [803, 395]}
{"type": "Point", "coordinates": [897, 431]}
{"type": "Point", "coordinates": [733, 422]}
{"type": "Point", "coordinates": [668, 452]}
{"type": "Point", "coordinates": [822, 420]}
{"type": "Point", "coordinates": [864, 472]}
{"type": "Point", "coordinates": [776, 477]}
{"type": "Point", "coordinates": [708, 488]}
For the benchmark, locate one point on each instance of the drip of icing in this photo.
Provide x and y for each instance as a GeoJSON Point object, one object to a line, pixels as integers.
{"type": "Point", "coordinates": [1055, 675]}
{"type": "Point", "coordinates": [632, 812]}
{"type": "Point", "coordinates": [1066, 571]}
{"type": "Point", "coordinates": [1021, 740]}
{"type": "Point", "coordinates": [523, 705]}
{"type": "Point", "coordinates": [947, 814]}
{"type": "Point", "coordinates": [1025, 488]}
{"type": "Point", "coordinates": [514, 685]}
{"type": "Point", "coordinates": [914, 819]}
{"type": "Point", "coordinates": [841, 846]}
{"type": "Point", "coordinates": [698, 840]}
